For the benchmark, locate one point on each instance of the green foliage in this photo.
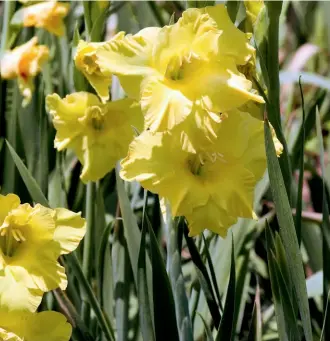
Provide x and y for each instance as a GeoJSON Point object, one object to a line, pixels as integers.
{"type": "Point", "coordinates": [136, 277]}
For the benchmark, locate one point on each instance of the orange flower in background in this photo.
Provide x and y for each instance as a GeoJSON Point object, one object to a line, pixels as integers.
{"type": "Point", "coordinates": [24, 63]}
{"type": "Point", "coordinates": [48, 15]}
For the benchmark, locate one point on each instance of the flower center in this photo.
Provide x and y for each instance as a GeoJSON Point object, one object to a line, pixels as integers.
{"type": "Point", "coordinates": [178, 66]}
{"type": "Point", "coordinates": [95, 117]}
{"type": "Point", "coordinates": [90, 66]}
{"type": "Point", "coordinates": [11, 236]}
{"type": "Point", "coordinates": [197, 162]}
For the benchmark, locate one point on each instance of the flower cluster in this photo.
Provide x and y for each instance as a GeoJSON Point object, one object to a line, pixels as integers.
{"type": "Point", "coordinates": [201, 145]}
{"type": "Point", "coordinates": [31, 241]}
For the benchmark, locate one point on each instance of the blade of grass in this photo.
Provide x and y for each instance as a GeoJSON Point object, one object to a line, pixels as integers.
{"type": "Point", "coordinates": [287, 232]}
{"type": "Point", "coordinates": [146, 324]}
{"type": "Point", "coordinates": [176, 278]}
{"type": "Point", "coordinates": [255, 332]}
{"type": "Point", "coordinates": [227, 330]}
{"type": "Point", "coordinates": [273, 106]}
{"type": "Point", "coordinates": [326, 313]}
{"type": "Point", "coordinates": [8, 11]}
{"type": "Point", "coordinates": [121, 276]}
{"type": "Point", "coordinates": [203, 278]}
{"type": "Point", "coordinates": [208, 332]}
{"type": "Point", "coordinates": [31, 184]}
{"type": "Point", "coordinates": [301, 170]}
{"type": "Point", "coordinates": [325, 232]}
{"type": "Point", "coordinates": [279, 311]}
{"type": "Point", "coordinates": [164, 307]}
{"type": "Point", "coordinates": [232, 8]}
{"type": "Point", "coordinates": [86, 288]}
{"type": "Point", "coordinates": [212, 272]}
{"type": "Point", "coordinates": [132, 234]}
{"type": "Point", "coordinates": [88, 244]}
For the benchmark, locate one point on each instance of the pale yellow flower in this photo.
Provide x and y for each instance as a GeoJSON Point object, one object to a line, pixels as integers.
{"type": "Point", "coordinates": [179, 70]}
{"type": "Point", "coordinates": [210, 187]}
{"type": "Point", "coordinates": [99, 134]}
{"type": "Point", "coordinates": [48, 15]}
{"type": "Point", "coordinates": [31, 241]}
{"type": "Point", "coordinates": [24, 63]}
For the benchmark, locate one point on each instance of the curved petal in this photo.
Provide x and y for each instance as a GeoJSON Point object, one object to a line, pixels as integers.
{"type": "Point", "coordinates": [160, 164]}
{"type": "Point", "coordinates": [211, 217]}
{"type": "Point", "coordinates": [66, 113]}
{"type": "Point", "coordinates": [234, 191]}
{"type": "Point", "coordinates": [37, 268]}
{"type": "Point", "coordinates": [104, 147]}
{"type": "Point", "coordinates": [70, 229]}
{"type": "Point", "coordinates": [15, 296]}
{"type": "Point", "coordinates": [232, 42]}
{"type": "Point", "coordinates": [224, 88]}
{"type": "Point", "coordinates": [48, 15]}
{"type": "Point", "coordinates": [47, 325]}
{"type": "Point", "coordinates": [163, 106]}
{"type": "Point", "coordinates": [7, 203]}
{"type": "Point", "coordinates": [129, 57]}
{"type": "Point", "coordinates": [86, 60]}
{"type": "Point", "coordinates": [195, 34]}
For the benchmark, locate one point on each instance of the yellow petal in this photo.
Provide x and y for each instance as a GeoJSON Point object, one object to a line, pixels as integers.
{"type": "Point", "coordinates": [39, 269]}
{"type": "Point", "coordinates": [218, 180]}
{"type": "Point", "coordinates": [24, 62]}
{"type": "Point", "coordinates": [87, 61]}
{"type": "Point", "coordinates": [117, 130]}
{"type": "Point", "coordinates": [167, 102]}
{"type": "Point", "coordinates": [253, 9]}
{"type": "Point", "coordinates": [15, 296]}
{"type": "Point", "coordinates": [7, 203]}
{"type": "Point", "coordinates": [232, 42]}
{"type": "Point", "coordinates": [48, 15]}
{"type": "Point", "coordinates": [164, 106]}
{"type": "Point", "coordinates": [194, 35]}
{"type": "Point", "coordinates": [70, 229]}
{"type": "Point", "coordinates": [159, 163]}
{"type": "Point", "coordinates": [27, 326]}
{"type": "Point", "coordinates": [129, 57]}
{"type": "Point", "coordinates": [66, 113]}
{"type": "Point", "coordinates": [211, 217]}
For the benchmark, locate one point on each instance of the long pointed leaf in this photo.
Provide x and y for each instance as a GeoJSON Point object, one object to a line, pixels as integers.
{"type": "Point", "coordinates": [287, 232]}
{"type": "Point", "coordinates": [226, 330]}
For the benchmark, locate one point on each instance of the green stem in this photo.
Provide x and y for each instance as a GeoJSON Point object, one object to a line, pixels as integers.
{"type": "Point", "coordinates": [9, 9]}
{"type": "Point", "coordinates": [88, 243]}
{"type": "Point", "coordinates": [273, 107]}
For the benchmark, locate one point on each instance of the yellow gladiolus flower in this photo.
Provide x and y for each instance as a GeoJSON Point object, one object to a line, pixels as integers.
{"type": "Point", "coordinates": [86, 61]}
{"type": "Point", "coordinates": [48, 15]}
{"type": "Point", "coordinates": [191, 65]}
{"type": "Point", "coordinates": [24, 63]}
{"type": "Point", "coordinates": [210, 187]}
{"type": "Point", "coordinates": [99, 134]}
{"type": "Point", "coordinates": [27, 326]}
{"type": "Point", "coordinates": [31, 240]}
